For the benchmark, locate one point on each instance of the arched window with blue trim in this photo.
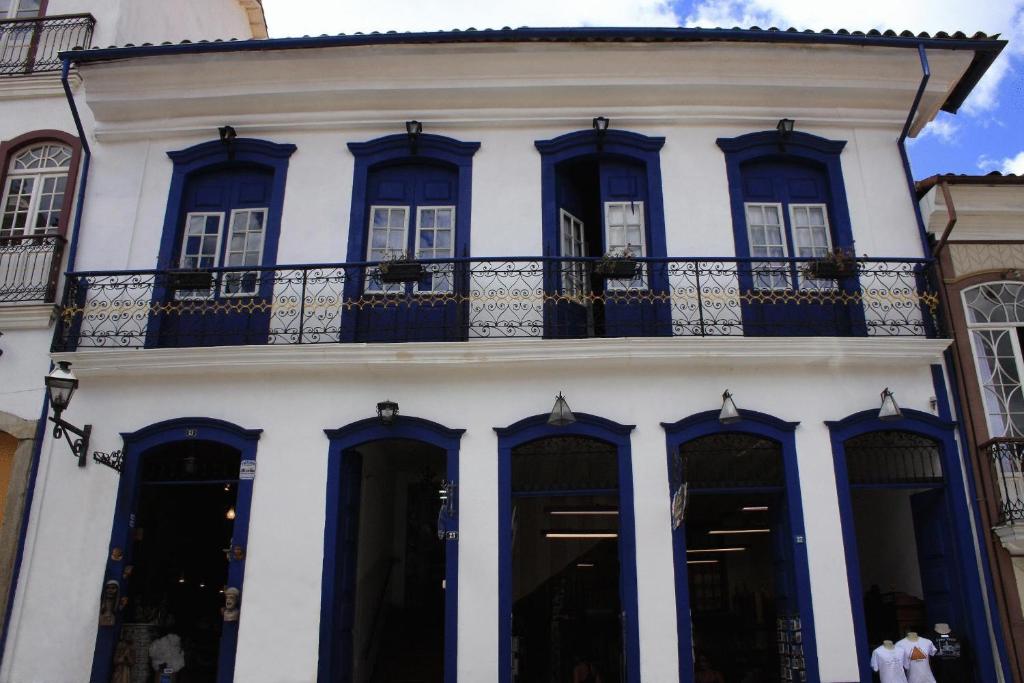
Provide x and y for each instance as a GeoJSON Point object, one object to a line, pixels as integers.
{"type": "Point", "coordinates": [789, 208]}
{"type": "Point", "coordinates": [409, 203]}
{"type": "Point", "coordinates": [601, 195]}
{"type": "Point", "coordinates": [223, 216]}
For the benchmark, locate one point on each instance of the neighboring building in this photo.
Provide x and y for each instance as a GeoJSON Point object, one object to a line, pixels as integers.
{"type": "Point", "coordinates": [977, 223]}
{"type": "Point", "coordinates": [41, 161]}
{"type": "Point", "coordinates": [228, 307]}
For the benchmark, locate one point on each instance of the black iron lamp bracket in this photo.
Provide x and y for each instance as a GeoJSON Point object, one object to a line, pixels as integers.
{"type": "Point", "coordinates": [79, 446]}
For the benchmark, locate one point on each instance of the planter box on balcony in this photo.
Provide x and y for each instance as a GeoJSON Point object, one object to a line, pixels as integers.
{"type": "Point", "coordinates": [400, 271]}
{"type": "Point", "coordinates": [189, 280]}
{"type": "Point", "coordinates": [830, 270]}
{"type": "Point", "coordinates": [616, 269]}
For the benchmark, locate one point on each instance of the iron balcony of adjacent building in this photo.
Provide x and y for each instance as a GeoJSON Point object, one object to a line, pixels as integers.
{"type": "Point", "coordinates": [32, 45]}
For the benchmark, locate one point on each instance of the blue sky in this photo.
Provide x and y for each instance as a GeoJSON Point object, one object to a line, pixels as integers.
{"type": "Point", "coordinates": [986, 135]}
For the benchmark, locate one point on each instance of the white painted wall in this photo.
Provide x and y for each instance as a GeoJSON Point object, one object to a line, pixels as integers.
{"type": "Point", "coordinates": [153, 21]}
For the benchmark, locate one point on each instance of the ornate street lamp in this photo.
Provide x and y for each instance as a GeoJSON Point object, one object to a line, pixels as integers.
{"type": "Point", "coordinates": [387, 411]}
{"type": "Point", "coordinates": [560, 413]}
{"type": "Point", "coordinates": [60, 385]}
{"type": "Point", "coordinates": [890, 410]}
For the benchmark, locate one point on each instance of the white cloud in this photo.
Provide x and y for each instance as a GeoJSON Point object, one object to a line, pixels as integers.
{"type": "Point", "coordinates": [990, 16]}
{"type": "Point", "coordinates": [314, 17]}
{"type": "Point", "coordinates": [944, 128]}
{"type": "Point", "coordinates": [1013, 164]}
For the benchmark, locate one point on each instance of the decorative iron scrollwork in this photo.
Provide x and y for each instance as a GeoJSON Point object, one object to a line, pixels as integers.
{"type": "Point", "coordinates": [114, 460]}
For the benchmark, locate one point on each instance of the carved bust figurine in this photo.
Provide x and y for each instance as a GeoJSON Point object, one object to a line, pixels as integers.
{"type": "Point", "coordinates": [108, 602]}
{"type": "Point", "coordinates": [231, 599]}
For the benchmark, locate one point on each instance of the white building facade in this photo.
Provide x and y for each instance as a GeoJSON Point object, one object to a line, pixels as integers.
{"type": "Point", "coordinates": [620, 217]}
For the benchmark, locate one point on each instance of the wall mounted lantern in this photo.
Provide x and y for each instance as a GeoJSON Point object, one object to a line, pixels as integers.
{"type": "Point", "coordinates": [227, 138]}
{"type": "Point", "coordinates": [729, 413]}
{"type": "Point", "coordinates": [387, 411]}
{"type": "Point", "coordinates": [560, 413]}
{"type": "Point", "coordinates": [890, 410]}
{"type": "Point", "coordinates": [600, 124]}
{"type": "Point", "coordinates": [60, 385]}
{"type": "Point", "coordinates": [785, 130]}
{"type": "Point", "coordinates": [413, 129]}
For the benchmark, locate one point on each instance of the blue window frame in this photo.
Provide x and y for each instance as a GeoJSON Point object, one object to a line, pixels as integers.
{"type": "Point", "coordinates": [138, 445]}
{"type": "Point", "coordinates": [610, 189]}
{"type": "Point", "coordinates": [791, 551]}
{"type": "Point", "coordinates": [616, 435]}
{"type": "Point", "coordinates": [341, 538]}
{"type": "Point", "coordinates": [946, 505]}
{"type": "Point", "coordinates": [788, 200]}
{"type": "Point", "coordinates": [416, 203]}
{"type": "Point", "coordinates": [223, 211]}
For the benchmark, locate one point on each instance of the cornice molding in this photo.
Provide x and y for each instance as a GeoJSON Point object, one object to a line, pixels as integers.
{"type": "Point", "coordinates": [27, 316]}
{"type": "Point", "coordinates": [800, 351]}
{"type": "Point", "coordinates": [37, 85]}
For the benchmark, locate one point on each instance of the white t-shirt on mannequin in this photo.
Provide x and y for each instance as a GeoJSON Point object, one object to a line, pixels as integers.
{"type": "Point", "coordinates": [919, 669]}
{"type": "Point", "coordinates": [890, 664]}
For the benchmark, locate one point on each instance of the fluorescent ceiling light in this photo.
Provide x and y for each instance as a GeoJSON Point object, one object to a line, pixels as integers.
{"type": "Point", "coordinates": [724, 532]}
{"type": "Point", "coordinates": [716, 550]}
{"type": "Point", "coordinates": [702, 562]}
{"type": "Point", "coordinates": [755, 508]}
{"type": "Point", "coordinates": [584, 565]}
{"type": "Point", "coordinates": [580, 534]}
{"type": "Point", "coordinates": [565, 512]}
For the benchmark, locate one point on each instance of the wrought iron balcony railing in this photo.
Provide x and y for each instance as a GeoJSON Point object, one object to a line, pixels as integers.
{"type": "Point", "coordinates": [1007, 457]}
{"type": "Point", "coordinates": [487, 298]}
{"type": "Point", "coordinates": [29, 268]}
{"type": "Point", "coordinates": [32, 45]}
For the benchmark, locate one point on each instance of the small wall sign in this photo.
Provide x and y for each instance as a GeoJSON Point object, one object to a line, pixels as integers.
{"type": "Point", "coordinates": [247, 470]}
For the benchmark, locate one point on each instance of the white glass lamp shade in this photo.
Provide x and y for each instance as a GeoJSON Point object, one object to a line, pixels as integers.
{"type": "Point", "coordinates": [61, 384]}
{"type": "Point", "coordinates": [729, 413]}
{"type": "Point", "coordinates": [889, 410]}
{"type": "Point", "coordinates": [560, 413]}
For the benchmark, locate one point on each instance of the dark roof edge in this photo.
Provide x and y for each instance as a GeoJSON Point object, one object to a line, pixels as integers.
{"type": "Point", "coordinates": [986, 48]}
{"type": "Point", "coordinates": [994, 178]}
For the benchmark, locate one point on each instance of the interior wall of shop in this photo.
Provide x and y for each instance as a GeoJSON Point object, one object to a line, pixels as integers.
{"type": "Point", "coordinates": [52, 639]}
{"type": "Point", "coordinates": [885, 541]}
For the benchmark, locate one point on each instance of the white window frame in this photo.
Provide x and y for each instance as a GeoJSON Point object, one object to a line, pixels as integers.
{"type": "Point", "coordinates": [433, 270]}
{"type": "Point", "coordinates": [769, 270]}
{"type": "Point", "coordinates": [1011, 328]}
{"type": "Point", "coordinates": [572, 272]}
{"type": "Point", "coordinates": [182, 254]}
{"type": "Point", "coordinates": [806, 282]}
{"type": "Point", "coordinates": [12, 11]}
{"type": "Point", "coordinates": [640, 281]}
{"type": "Point", "coordinates": [38, 176]}
{"type": "Point", "coordinates": [230, 233]}
{"type": "Point", "coordinates": [371, 284]}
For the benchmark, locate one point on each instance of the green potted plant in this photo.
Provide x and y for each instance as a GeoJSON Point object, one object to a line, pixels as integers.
{"type": "Point", "coordinates": [836, 265]}
{"type": "Point", "coordinates": [618, 264]}
{"type": "Point", "coordinates": [400, 268]}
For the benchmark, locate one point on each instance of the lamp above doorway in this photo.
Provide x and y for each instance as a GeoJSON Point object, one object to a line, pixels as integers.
{"type": "Point", "coordinates": [413, 129]}
{"type": "Point", "coordinates": [890, 410]}
{"type": "Point", "coordinates": [60, 387]}
{"type": "Point", "coordinates": [729, 413]}
{"type": "Point", "coordinates": [387, 412]}
{"type": "Point", "coordinates": [600, 124]}
{"type": "Point", "coordinates": [561, 415]}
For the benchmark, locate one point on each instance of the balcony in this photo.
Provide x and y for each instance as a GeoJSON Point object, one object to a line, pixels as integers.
{"type": "Point", "coordinates": [31, 45]}
{"type": "Point", "coordinates": [29, 268]}
{"type": "Point", "coordinates": [491, 298]}
{"type": "Point", "coordinates": [1007, 458]}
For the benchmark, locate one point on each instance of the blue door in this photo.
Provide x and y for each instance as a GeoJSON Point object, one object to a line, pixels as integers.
{"type": "Point", "coordinates": [411, 214]}
{"type": "Point", "coordinates": [222, 224]}
{"type": "Point", "coordinates": [935, 558]}
{"type": "Point", "coordinates": [787, 212]}
{"type": "Point", "coordinates": [348, 545]}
